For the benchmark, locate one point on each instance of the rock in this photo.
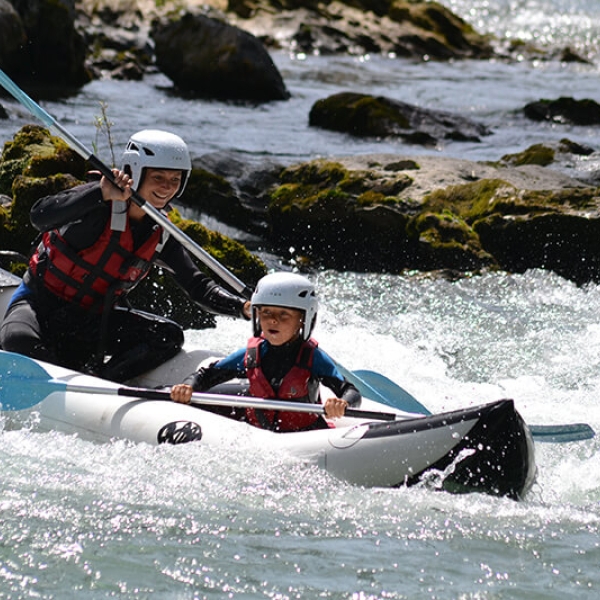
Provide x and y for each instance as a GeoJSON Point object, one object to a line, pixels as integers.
{"type": "Point", "coordinates": [564, 110]}
{"type": "Point", "coordinates": [363, 115]}
{"type": "Point", "coordinates": [54, 52]}
{"type": "Point", "coordinates": [211, 58]}
{"type": "Point", "coordinates": [423, 30]}
{"type": "Point", "coordinates": [234, 192]}
{"type": "Point", "coordinates": [367, 213]}
{"type": "Point", "coordinates": [12, 36]}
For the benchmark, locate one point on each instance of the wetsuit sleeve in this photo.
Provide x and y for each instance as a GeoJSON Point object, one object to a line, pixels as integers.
{"type": "Point", "coordinates": [218, 372]}
{"type": "Point", "coordinates": [327, 373]}
{"type": "Point", "coordinates": [67, 206]}
{"type": "Point", "coordinates": [202, 289]}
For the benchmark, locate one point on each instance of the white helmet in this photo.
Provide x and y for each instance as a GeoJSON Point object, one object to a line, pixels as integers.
{"type": "Point", "coordinates": [289, 290]}
{"type": "Point", "coordinates": [158, 150]}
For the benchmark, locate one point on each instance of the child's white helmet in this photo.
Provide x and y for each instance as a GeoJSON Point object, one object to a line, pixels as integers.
{"type": "Point", "coordinates": [288, 290]}
{"type": "Point", "coordinates": [158, 150]}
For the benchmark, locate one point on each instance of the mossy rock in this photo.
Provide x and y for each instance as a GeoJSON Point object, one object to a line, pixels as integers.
{"type": "Point", "coordinates": [212, 194]}
{"type": "Point", "coordinates": [364, 115]}
{"type": "Point", "coordinates": [448, 242]}
{"type": "Point", "coordinates": [449, 35]}
{"type": "Point", "coordinates": [34, 152]}
{"type": "Point", "coordinates": [322, 201]}
{"type": "Point", "coordinates": [538, 154]}
{"type": "Point", "coordinates": [473, 201]}
{"type": "Point", "coordinates": [358, 114]}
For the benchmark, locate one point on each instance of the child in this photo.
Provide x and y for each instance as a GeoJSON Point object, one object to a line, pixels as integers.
{"type": "Point", "coordinates": [281, 361]}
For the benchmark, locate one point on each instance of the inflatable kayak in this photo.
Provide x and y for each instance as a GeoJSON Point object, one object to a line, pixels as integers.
{"type": "Point", "coordinates": [486, 449]}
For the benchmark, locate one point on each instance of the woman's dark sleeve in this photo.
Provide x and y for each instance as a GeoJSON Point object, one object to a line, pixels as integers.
{"type": "Point", "coordinates": [67, 206]}
{"type": "Point", "coordinates": [202, 289]}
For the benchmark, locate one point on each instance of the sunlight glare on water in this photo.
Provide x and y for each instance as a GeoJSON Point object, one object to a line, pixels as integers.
{"type": "Point", "coordinates": [135, 520]}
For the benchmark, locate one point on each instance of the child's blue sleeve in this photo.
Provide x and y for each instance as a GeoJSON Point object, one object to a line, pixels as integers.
{"type": "Point", "coordinates": [323, 366]}
{"type": "Point", "coordinates": [233, 362]}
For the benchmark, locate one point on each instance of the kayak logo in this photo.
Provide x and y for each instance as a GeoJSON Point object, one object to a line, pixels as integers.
{"type": "Point", "coordinates": [179, 432]}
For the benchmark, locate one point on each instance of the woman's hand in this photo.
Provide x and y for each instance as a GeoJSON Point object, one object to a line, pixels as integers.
{"type": "Point", "coordinates": [335, 408]}
{"type": "Point", "coordinates": [120, 190]}
{"type": "Point", "coordinates": [181, 393]}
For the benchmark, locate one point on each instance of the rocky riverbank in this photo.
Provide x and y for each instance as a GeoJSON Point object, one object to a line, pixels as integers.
{"type": "Point", "coordinates": [385, 213]}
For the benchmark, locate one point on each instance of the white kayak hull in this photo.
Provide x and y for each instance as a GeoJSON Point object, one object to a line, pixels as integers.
{"type": "Point", "coordinates": [484, 449]}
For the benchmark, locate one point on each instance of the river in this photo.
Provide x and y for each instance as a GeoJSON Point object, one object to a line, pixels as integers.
{"type": "Point", "coordinates": [79, 519]}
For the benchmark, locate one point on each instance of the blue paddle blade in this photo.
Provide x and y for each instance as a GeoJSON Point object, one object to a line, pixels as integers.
{"type": "Point", "coordinates": [390, 393]}
{"type": "Point", "coordinates": [23, 382]}
{"type": "Point", "coordinates": [573, 432]}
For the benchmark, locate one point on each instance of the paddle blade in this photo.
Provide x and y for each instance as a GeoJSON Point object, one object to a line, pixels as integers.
{"type": "Point", "coordinates": [23, 382]}
{"type": "Point", "coordinates": [573, 432]}
{"type": "Point", "coordinates": [389, 392]}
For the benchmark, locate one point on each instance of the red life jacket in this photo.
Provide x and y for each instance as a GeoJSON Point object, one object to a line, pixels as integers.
{"type": "Point", "coordinates": [97, 274]}
{"type": "Point", "coordinates": [294, 386]}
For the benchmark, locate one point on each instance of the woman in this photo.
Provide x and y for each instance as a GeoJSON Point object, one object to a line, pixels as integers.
{"type": "Point", "coordinates": [96, 245]}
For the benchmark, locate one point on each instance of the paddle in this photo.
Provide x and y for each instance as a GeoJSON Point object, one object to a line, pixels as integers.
{"type": "Point", "coordinates": [391, 394]}
{"type": "Point", "coordinates": [24, 383]}
{"type": "Point", "coordinates": [379, 390]}
{"type": "Point", "coordinates": [35, 109]}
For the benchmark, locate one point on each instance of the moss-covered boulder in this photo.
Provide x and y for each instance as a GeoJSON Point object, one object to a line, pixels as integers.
{"type": "Point", "coordinates": [388, 213]}
{"type": "Point", "coordinates": [364, 115]}
{"type": "Point", "coordinates": [331, 214]}
{"type": "Point", "coordinates": [32, 165]}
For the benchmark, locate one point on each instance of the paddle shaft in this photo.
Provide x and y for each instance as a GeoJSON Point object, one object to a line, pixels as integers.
{"type": "Point", "coordinates": [391, 394]}
{"type": "Point", "coordinates": [56, 128]}
{"type": "Point", "coordinates": [223, 400]}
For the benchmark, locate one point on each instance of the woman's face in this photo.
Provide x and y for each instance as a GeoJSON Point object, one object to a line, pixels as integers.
{"type": "Point", "coordinates": [279, 325]}
{"type": "Point", "coordinates": [159, 186]}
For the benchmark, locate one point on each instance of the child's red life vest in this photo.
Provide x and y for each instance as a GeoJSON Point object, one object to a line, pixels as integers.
{"type": "Point", "coordinates": [294, 386]}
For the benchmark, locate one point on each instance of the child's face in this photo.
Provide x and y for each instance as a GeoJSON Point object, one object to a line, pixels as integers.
{"type": "Point", "coordinates": [279, 325]}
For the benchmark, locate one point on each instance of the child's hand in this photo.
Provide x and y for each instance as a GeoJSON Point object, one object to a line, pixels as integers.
{"type": "Point", "coordinates": [181, 393]}
{"type": "Point", "coordinates": [335, 408]}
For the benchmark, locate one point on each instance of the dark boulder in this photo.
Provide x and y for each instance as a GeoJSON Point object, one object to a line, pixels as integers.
{"type": "Point", "coordinates": [210, 58]}
{"type": "Point", "coordinates": [54, 52]}
{"type": "Point", "coordinates": [564, 110]}
{"type": "Point", "coordinates": [12, 36]}
{"type": "Point", "coordinates": [376, 116]}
